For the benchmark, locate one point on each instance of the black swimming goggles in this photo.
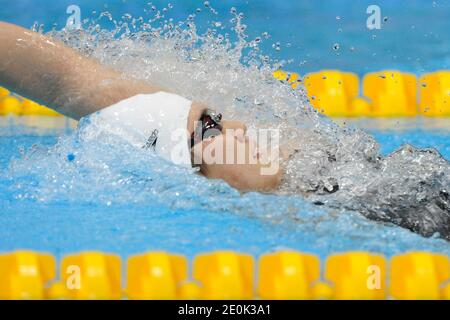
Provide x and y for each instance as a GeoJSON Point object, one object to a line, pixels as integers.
{"type": "Point", "coordinates": [208, 126]}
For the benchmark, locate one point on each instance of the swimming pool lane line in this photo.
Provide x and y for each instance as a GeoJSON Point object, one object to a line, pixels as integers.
{"type": "Point", "coordinates": [223, 275]}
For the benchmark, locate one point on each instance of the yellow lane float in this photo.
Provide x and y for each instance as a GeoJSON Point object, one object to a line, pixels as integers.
{"type": "Point", "coordinates": [226, 275]}
{"type": "Point", "coordinates": [89, 275]}
{"type": "Point", "coordinates": [357, 275]}
{"type": "Point", "coordinates": [332, 92]}
{"type": "Point", "coordinates": [288, 275]}
{"type": "Point", "coordinates": [435, 94]}
{"type": "Point", "coordinates": [392, 93]}
{"type": "Point", "coordinates": [420, 275]}
{"type": "Point", "coordinates": [25, 274]}
{"type": "Point", "coordinates": [157, 275]}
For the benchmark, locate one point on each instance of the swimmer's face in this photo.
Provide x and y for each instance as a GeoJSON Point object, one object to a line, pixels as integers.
{"type": "Point", "coordinates": [234, 158]}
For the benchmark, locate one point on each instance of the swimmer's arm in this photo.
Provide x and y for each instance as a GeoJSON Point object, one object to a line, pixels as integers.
{"type": "Point", "coordinates": [48, 72]}
{"type": "Point", "coordinates": [55, 75]}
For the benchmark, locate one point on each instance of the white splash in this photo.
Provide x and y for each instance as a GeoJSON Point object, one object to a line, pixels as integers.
{"type": "Point", "coordinates": [330, 165]}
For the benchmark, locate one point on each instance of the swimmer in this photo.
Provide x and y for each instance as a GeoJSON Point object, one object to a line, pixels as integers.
{"type": "Point", "coordinates": [48, 72]}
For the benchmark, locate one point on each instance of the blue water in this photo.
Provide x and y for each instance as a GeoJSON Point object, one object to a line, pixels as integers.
{"type": "Point", "coordinates": [415, 36]}
{"type": "Point", "coordinates": [62, 226]}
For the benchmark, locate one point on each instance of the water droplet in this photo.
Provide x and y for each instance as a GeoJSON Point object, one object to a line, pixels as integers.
{"type": "Point", "coordinates": [336, 46]}
{"type": "Point", "coordinates": [276, 46]}
{"type": "Point", "coordinates": [257, 102]}
{"type": "Point", "coordinates": [385, 19]}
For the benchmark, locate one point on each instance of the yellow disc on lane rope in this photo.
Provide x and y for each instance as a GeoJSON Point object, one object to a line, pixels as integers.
{"type": "Point", "coordinates": [331, 92]}
{"type": "Point", "coordinates": [156, 275]}
{"type": "Point", "coordinates": [357, 275]}
{"type": "Point", "coordinates": [435, 94]}
{"type": "Point", "coordinates": [25, 274]}
{"type": "Point", "coordinates": [224, 275]}
{"type": "Point", "coordinates": [419, 275]}
{"type": "Point", "coordinates": [92, 275]}
{"type": "Point", "coordinates": [392, 93]}
{"type": "Point", "coordinates": [287, 275]}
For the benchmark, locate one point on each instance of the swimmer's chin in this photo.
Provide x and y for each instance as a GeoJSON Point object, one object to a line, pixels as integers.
{"type": "Point", "coordinates": [247, 178]}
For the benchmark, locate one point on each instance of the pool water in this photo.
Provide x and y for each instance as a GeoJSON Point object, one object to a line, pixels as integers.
{"type": "Point", "coordinates": [414, 36]}
{"type": "Point", "coordinates": [63, 191]}
{"type": "Point", "coordinates": [252, 223]}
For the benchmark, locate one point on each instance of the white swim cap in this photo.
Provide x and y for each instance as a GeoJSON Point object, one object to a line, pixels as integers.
{"type": "Point", "coordinates": [157, 122]}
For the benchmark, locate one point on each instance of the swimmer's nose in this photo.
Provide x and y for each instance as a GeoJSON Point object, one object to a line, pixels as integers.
{"type": "Point", "coordinates": [234, 125]}
{"type": "Point", "coordinates": [240, 135]}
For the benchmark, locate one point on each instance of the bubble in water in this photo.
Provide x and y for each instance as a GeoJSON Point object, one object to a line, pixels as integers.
{"type": "Point", "coordinates": [336, 47]}
{"type": "Point", "coordinates": [276, 46]}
